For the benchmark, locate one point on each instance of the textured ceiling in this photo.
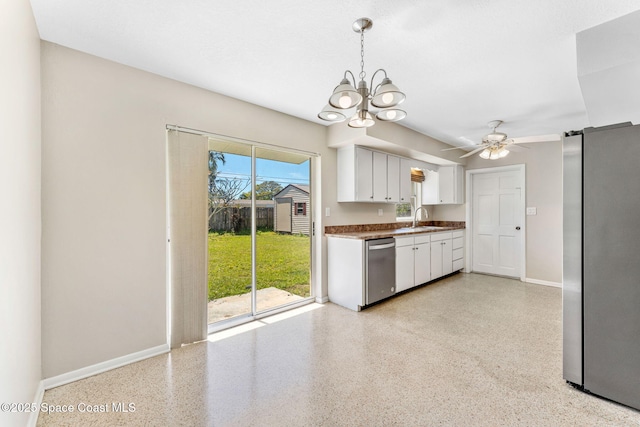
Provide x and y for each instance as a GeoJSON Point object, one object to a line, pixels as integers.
{"type": "Point", "coordinates": [461, 63]}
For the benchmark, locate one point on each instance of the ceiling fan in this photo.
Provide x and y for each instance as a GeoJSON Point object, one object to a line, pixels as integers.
{"type": "Point", "coordinates": [494, 145]}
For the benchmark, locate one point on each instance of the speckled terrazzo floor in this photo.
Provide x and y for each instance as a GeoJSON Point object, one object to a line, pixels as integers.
{"type": "Point", "coordinates": [469, 350]}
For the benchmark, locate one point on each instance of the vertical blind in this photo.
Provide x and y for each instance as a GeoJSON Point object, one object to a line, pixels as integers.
{"type": "Point", "coordinates": [188, 172]}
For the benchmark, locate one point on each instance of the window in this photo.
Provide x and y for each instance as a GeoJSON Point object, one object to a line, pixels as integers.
{"type": "Point", "coordinates": [405, 211]}
{"type": "Point", "coordinates": [301, 208]}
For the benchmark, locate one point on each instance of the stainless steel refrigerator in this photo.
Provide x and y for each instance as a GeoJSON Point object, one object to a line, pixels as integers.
{"type": "Point", "coordinates": [601, 265]}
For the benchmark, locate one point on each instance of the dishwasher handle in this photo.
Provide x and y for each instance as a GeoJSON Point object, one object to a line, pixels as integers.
{"type": "Point", "coordinates": [378, 247]}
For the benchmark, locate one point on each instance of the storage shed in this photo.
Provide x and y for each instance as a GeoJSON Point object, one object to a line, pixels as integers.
{"type": "Point", "coordinates": [292, 213]}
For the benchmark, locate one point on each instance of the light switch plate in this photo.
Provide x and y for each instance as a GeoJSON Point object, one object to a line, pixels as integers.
{"type": "Point", "coordinates": [327, 211]}
{"type": "Point", "coordinates": [380, 213]}
{"type": "Point", "coordinates": [532, 211]}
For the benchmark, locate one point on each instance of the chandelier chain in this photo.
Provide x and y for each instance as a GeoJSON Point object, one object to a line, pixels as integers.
{"type": "Point", "coordinates": [362, 72]}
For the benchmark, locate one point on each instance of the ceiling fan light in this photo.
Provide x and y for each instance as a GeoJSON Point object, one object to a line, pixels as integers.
{"type": "Point", "coordinates": [387, 95]}
{"type": "Point", "coordinates": [362, 119]}
{"type": "Point", "coordinates": [345, 96]}
{"type": "Point", "coordinates": [330, 114]}
{"type": "Point", "coordinates": [486, 153]}
{"type": "Point", "coordinates": [503, 153]}
{"type": "Point", "coordinates": [391, 115]}
{"type": "Point", "coordinates": [494, 155]}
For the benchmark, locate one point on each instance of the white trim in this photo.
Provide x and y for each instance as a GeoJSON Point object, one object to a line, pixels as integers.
{"type": "Point", "coordinates": [322, 300]}
{"type": "Point", "coordinates": [101, 367]}
{"type": "Point", "coordinates": [37, 401]}
{"type": "Point", "coordinates": [543, 282]}
{"type": "Point", "coordinates": [521, 168]}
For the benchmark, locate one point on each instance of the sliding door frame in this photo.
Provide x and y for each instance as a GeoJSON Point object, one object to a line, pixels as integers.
{"type": "Point", "coordinates": [314, 263]}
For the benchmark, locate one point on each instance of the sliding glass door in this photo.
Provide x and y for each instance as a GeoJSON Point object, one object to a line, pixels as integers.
{"type": "Point", "coordinates": [283, 251]}
{"type": "Point", "coordinates": [260, 229]}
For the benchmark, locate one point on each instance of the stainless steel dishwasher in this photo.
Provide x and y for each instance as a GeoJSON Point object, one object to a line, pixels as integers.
{"type": "Point", "coordinates": [380, 269]}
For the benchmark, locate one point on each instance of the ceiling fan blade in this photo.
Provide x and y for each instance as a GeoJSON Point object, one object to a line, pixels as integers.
{"type": "Point", "coordinates": [516, 148]}
{"type": "Point", "coordinates": [452, 148]}
{"type": "Point", "coordinates": [539, 138]}
{"type": "Point", "coordinates": [470, 153]}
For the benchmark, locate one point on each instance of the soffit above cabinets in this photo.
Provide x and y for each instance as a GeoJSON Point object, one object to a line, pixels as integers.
{"type": "Point", "coordinates": [609, 69]}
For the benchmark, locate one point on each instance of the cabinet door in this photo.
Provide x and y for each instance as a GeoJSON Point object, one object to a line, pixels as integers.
{"type": "Point", "coordinates": [422, 260]}
{"type": "Point", "coordinates": [447, 184]}
{"type": "Point", "coordinates": [405, 181]}
{"type": "Point", "coordinates": [436, 259]}
{"type": "Point", "coordinates": [430, 191]}
{"type": "Point", "coordinates": [404, 267]}
{"type": "Point", "coordinates": [364, 175]}
{"type": "Point", "coordinates": [447, 257]}
{"type": "Point", "coordinates": [379, 177]}
{"type": "Point", "coordinates": [393, 179]}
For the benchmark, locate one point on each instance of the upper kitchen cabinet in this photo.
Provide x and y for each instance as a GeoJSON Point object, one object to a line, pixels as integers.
{"type": "Point", "coordinates": [368, 176]}
{"type": "Point", "coordinates": [444, 186]}
{"type": "Point", "coordinates": [405, 180]}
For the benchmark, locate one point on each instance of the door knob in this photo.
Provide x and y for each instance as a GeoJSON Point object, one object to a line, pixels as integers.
{"type": "Point", "coordinates": [518, 227]}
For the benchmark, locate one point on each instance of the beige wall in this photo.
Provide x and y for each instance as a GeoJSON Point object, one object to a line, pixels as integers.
{"type": "Point", "coordinates": [104, 279]}
{"type": "Point", "coordinates": [543, 191]}
{"type": "Point", "coordinates": [20, 361]}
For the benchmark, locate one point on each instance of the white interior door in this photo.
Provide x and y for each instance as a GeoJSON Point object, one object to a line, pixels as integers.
{"type": "Point", "coordinates": [496, 223]}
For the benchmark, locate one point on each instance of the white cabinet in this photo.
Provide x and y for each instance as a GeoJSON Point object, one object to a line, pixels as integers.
{"type": "Point", "coordinates": [457, 244]}
{"type": "Point", "coordinates": [346, 275]}
{"type": "Point", "coordinates": [405, 180]}
{"type": "Point", "coordinates": [441, 254]}
{"type": "Point", "coordinates": [386, 178]}
{"type": "Point", "coordinates": [447, 253]}
{"type": "Point", "coordinates": [444, 186]}
{"type": "Point", "coordinates": [367, 176]}
{"type": "Point", "coordinates": [413, 263]}
{"type": "Point", "coordinates": [430, 188]}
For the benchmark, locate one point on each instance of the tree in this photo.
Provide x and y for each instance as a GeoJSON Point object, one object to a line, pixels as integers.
{"type": "Point", "coordinates": [214, 158]}
{"type": "Point", "coordinates": [224, 191]}
{"type": "Point", "coordinates": [264, 191]}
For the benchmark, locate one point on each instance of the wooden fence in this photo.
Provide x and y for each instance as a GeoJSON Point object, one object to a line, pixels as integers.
{"type": "Point", "coordinates": [239, 218]}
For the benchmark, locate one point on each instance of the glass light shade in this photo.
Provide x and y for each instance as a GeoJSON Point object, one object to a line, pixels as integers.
{"type": "Point", "coordinates": [391, 115]}
{"type": "Point", "coordinates": [387, 95]}
{"type": "Point", "coordinates": [345, 96]}
{"type": "Point", "coordinates": [503, 153]}
{"type": "Point", "coordinates": [329, 114]}
{"type": "Point", "coordinates": [361, 119]}
{"type": "Point", "coordinates": [486, 153]}
{"type": "Point", "coordinates": [495, 155]}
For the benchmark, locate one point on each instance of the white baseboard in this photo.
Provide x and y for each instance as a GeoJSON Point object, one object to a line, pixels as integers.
{"type": "Point", "coordinates": [98, 368]}
{"type": "Point", "coordinates": [322, 300]}
{"type": "Point", "coordinates": [543, 282]}
{"type": "Point", "coordinates": [37, 401]}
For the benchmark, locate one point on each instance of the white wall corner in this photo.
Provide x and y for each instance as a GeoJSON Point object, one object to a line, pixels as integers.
{"type": "Point", "coordinates": [37, 401]}
{"type": "Point", "coordinates": [108, 365]}
{"type": "Point", "coordinates": [322, 300]}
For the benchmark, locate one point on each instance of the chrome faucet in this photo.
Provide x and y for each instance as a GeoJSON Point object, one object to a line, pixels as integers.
{"type": "Point", "coordinates": [415, 215]}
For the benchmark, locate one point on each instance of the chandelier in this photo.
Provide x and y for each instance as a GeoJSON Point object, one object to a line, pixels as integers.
{"type": "Point", "coordinates": [385, 96]}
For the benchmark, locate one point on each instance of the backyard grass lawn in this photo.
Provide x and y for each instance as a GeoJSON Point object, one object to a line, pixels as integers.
{"type": "Point", "coordinates": [283, 262]}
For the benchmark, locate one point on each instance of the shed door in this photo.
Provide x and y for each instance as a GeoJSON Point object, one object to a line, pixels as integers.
{"type": "Point", "coordinates": [283, 215]}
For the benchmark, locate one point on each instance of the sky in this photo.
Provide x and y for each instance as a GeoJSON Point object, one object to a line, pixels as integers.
{"type": "Point", "coordinates": [266, 170]}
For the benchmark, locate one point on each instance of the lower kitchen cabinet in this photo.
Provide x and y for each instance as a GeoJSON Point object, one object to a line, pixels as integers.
{"type": "Point", "coordinates": [413, 263]}
{"type": "Point", "coordinates": [447, 253]}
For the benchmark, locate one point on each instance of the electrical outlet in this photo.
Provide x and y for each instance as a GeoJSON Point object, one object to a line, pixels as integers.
{"type": "Point", "coordinates": [532, 211]}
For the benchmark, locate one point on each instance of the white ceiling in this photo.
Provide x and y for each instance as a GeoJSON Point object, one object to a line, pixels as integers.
{"type": "Point", "coordinates": [461, 63]}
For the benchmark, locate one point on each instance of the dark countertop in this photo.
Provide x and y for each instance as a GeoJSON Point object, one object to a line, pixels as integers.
{"type": "Point", "coordinates": [379, 231]}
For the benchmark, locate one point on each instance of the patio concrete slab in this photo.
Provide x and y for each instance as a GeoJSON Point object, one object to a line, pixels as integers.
{"type": "Point", "coordinates": [225, 308]}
